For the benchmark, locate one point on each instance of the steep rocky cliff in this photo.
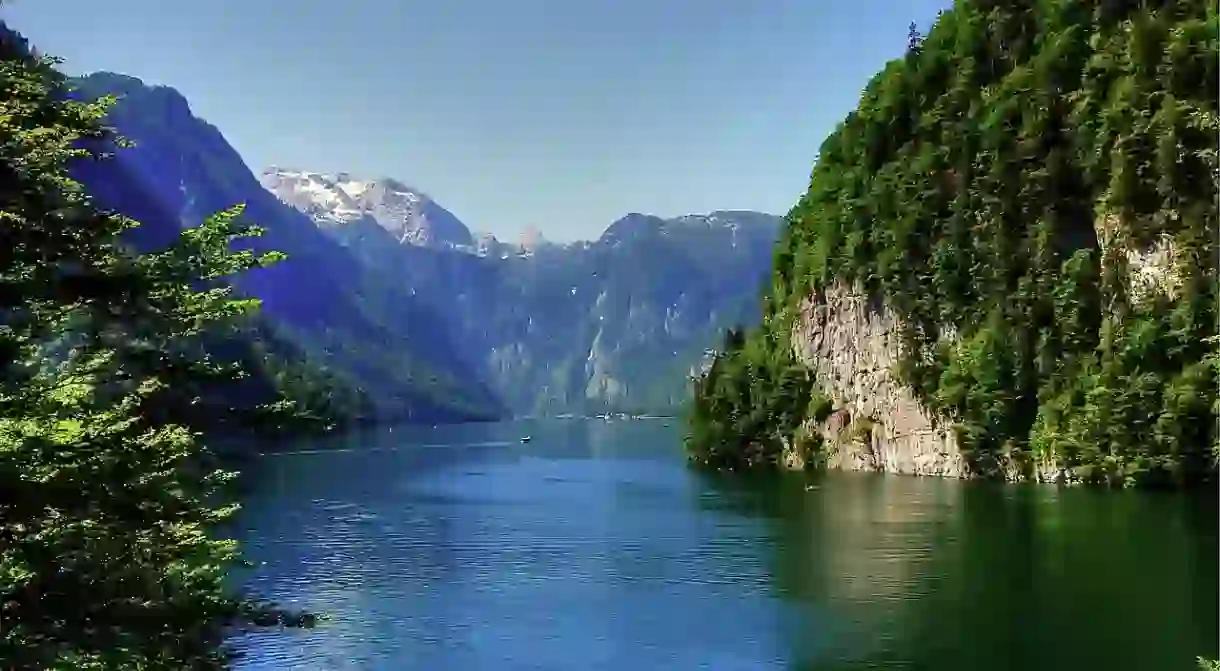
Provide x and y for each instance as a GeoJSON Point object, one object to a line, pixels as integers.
{"type": "Point", "coordinates": [853, 346]}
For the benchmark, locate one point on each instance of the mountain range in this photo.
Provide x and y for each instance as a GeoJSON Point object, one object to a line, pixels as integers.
{"type": "Point", "coordinates": [393, 295]}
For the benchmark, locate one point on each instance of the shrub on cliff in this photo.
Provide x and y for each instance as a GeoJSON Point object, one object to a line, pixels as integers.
{"type": "Point", "coordinates": [749, 404]}
{"type": "Point", "coordinates": [1032, 188]}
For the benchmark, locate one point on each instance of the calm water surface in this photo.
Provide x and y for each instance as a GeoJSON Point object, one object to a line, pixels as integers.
{"type": "Point", "coordinates": [594, 547]}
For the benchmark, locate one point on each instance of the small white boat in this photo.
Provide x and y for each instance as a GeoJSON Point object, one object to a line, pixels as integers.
{"type": "Point", "coordinates": [525, 439]}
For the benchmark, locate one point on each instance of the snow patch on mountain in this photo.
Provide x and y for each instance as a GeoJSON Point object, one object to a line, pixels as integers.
{"type": "Point", "coordinates": [340, 199]}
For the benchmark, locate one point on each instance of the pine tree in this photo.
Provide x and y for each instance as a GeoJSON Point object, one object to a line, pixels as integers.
{"type": "Point", "coordinates": [108, 508]}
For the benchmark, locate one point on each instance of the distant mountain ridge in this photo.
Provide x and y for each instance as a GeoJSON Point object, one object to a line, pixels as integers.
{"type": "Point", "coordinates": [413, 217]}
{"type": "Point", "coordinates": [336, 200]}
{"type": "Point", "coordinates": [642, 303]}
{"type": "Point", "coordinates": [396, 296]}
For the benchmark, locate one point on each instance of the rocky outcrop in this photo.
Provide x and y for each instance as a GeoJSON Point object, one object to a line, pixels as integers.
{"type": "Point", "coordinates": [1150, 270]}
{"type": "Point", "coordinates": [851, 344]}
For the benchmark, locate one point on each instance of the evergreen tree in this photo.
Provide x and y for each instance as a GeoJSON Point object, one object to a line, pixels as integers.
{"type": "Point", "coordinates": [108, 507]}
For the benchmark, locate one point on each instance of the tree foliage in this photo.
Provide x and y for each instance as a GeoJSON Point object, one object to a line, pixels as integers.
{"type": "Point", "coordinates": [749, 404]}
{"type": "Point", "coordinates": [1006, 187]}
{"type": "Point", "coordinates": [108, 504]}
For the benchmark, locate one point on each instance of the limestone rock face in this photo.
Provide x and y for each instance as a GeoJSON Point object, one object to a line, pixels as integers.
{"type": "Point", "coordinates": [852, 345]}
{"type": "Point", "coordinates": [1151, 269]}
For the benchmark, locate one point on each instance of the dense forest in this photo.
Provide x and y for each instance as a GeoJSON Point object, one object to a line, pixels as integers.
{"type": "Point", "coordinates": [1032, 189]}
{"type": "Point", "coordinates": [111, 363]}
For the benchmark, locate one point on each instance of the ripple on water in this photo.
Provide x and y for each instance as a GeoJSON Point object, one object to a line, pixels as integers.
{"type": "Point", "coordinates": [595, 548]}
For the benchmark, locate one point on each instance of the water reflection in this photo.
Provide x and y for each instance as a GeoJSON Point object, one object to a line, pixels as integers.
{"type": "Point", "coordinates": [937, 574]}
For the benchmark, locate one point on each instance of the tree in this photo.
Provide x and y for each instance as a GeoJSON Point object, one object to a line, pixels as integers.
{"type": "Point", "coordinates": [108, 506]}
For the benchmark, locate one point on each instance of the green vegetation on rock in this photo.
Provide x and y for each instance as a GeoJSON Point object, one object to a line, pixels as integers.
{"type": "Point", "coordinates": [1032, 190]}
{"type": "Point", "coordinates": [749, 405]}
{"type": "Point", "coordinates": [108, 503]}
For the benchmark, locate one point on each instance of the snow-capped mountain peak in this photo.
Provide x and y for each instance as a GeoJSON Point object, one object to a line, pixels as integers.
{"type": "Point", "coordinates": [341, 199]}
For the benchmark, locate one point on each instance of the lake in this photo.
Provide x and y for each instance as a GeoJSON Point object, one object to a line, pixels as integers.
{"type": "Point", "coordinates": [593, 546]}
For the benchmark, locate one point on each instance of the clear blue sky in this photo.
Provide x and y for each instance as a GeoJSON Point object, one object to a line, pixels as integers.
{"type": "Point", "coordinates": [562, 114]}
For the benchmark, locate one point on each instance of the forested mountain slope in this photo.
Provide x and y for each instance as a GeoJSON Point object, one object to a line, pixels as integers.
{"type": "Point", "coordinates": [1005, 264]}
{"type": "Point", "coordinates": [387, 353]}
